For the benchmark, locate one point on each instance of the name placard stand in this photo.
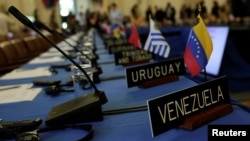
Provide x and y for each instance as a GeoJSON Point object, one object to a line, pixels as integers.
{"type": "Point", "coordinates": [136, 62]}
{"type": "Point", "coordinates": [159, 81]}
{"type": "Point", "coordinates": [152, 74]}
{"type": "Point", "coordinates": [203, 117]}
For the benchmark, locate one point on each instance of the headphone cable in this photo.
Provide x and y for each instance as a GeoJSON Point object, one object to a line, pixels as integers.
{"type": "Point", "coordinates": [125, 110]}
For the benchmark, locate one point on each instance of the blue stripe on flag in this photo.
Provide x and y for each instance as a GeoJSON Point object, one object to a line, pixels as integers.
{"type": "Point", "coordinates": [156, 43]}
{"type": "Point", "coordinates": [197, 50]}
{"type": "Point", "coordinates": [157, 48]}
{"type": "Point", "coordinates": [163, 51]}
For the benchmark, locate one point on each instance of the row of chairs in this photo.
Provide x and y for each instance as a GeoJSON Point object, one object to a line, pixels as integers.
{"type": "Point", "coordinates": [16, 52]}
{"type": "Point", "coordinates": [4, 37]}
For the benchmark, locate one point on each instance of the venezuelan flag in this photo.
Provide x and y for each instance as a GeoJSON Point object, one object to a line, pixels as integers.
{"type": "Point", "coordinates": [198, 49]}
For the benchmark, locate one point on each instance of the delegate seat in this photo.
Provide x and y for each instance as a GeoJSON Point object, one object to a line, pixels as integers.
{"type": "Point", "coordinates": [9, 57]}
{"type": "Point", "coordinates": [4, 66]}
{"type": "Point", "coordinates": [33, 45]}
{"type": "Point", "coordinates": [22, 50]}
{"type": "Point", "coordinates": [4, 38]}
{"type": "Point", "coordinates": [43, 43]}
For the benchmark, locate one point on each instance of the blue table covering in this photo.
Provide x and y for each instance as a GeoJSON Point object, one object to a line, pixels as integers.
{"type": "Point", "coordinates": [126, 126]}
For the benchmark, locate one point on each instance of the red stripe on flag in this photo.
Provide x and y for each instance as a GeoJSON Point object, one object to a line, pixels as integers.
{"type": "Point", "coordinates": [134, 37]}
{"type": "Point", "coordinates": [191, 62]}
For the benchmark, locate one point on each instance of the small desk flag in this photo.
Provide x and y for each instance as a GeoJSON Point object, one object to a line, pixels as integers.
{"type": "Point", "coordinates": [134, 37]}
{"type": "Point", "coordinates": [155, 42]}
{"type": "Point", "coordinates": [118, 31]}
{"type": "Point", "coordinates": [198, 49]}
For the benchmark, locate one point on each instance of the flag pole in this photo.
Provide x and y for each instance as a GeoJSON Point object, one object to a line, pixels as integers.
{"type": "Point", "coordinates": [205, 72]}
{"type": "Point", "coordinates": [149, 18]}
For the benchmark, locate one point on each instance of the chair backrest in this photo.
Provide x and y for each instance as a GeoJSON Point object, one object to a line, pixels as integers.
{"type": "Point", "coordinates": [3, 60]}
{"type": "Point", "coordinates": [4, 66]}
{"type": "Point", "coordinates": [4, 38]}
{"type": "Point", "coordinates": [33, 45]}
{"type": "Point", "coordinates": [8, 58]}
{"type": "Point", "coordinates": [9, 52]}
{"type": "Point", "coordinates": [22, 49]}
{"type": "Point", "coordinates": [43, 43]}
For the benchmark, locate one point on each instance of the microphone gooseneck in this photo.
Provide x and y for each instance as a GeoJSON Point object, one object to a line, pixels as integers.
{"type": "Point", "coordinates": [24, 20]}
{"type": "Point", "coordinates": [41, 25]}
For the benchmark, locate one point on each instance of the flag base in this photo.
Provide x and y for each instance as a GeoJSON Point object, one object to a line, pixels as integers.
{"type": "Point", "coordinates": [136, 62]}
{"type": "Point", "coordinates": [203, 117]}
{"type": "Point", "coordinates": [159, 81]}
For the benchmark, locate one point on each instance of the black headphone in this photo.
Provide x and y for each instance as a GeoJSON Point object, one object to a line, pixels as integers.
{"type": "Point", "coordinates": [34, 135]}
{"type": "Point", "coordinates": [55, 90]}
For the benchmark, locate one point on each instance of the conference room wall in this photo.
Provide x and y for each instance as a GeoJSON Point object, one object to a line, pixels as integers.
{"type": "Point", "coordinates": [28, 7]}
{"type": "Point", "coordinates": [126, 5]}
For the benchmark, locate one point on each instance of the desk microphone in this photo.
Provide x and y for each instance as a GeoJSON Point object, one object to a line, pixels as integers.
{"type": "Point", "coordinates": [54, 32]}
{"type": "Point", "coordinates": [43, 26]}
{"type": "Point", "coordinates": [60, 35]}
{"type": "Point", "coordinates": [93, 59]}
{"type": "Point", "coordinates": [85, 108]}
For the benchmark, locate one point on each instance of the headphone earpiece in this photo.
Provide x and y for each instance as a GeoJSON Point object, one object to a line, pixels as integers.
{"type": "Point", "coordinates": [28, 136]}
{"type": "Point", "coordinates": [6, 133]}
{"type": "Point", "coordinates": [55, 90]}
{"type": "Point", "coordinates": [33, 135]}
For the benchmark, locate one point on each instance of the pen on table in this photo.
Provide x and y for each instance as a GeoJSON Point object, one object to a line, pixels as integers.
{"type": "Point", "coordinates": [8, 88]}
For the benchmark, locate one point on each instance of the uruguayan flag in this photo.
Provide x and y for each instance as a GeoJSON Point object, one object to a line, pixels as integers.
{"type": "Point", "coordinates": [156, 43]}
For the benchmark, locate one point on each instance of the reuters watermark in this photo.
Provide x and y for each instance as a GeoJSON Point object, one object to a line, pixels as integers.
{"type": "Point", "coordinates": [239, 132]}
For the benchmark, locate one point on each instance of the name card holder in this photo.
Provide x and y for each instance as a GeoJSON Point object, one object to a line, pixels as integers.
{"type": "Point", "coordinates": [191, 107]}
{"type": "Point", "coordinates": [206, 116]}
{"type": "Point", "coordinates": [152, 74]}
{"type": "Point", "coordinates": [132, 56]}
{"type": "Point", "coordinates": [110, 41]}
{"type": "Point", "coordinates": [136, 62]}
{"type": "Point", "coordinates": [159, 81]}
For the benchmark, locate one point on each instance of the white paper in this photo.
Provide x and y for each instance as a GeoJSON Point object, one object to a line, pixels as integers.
{"type": "Point", "coordinates": [50, 54]}
{"type": "Point", "coordinates": [22, 92]}
{"type": "Point", "coordinates": [27, 73]}
{"type": "Point", "coordinates": [46, 60]}
{"type": "Point", "coordinates": [62, 46]}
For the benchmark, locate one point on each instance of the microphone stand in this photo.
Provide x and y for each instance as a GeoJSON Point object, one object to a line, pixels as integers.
{"type": "Point", "coordinates": [41, 25]}
{"type": "Point", "coordinates": [97, 70]}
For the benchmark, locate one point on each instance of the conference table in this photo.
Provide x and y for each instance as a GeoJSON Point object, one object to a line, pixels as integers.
{"type": "Point", "coordinates": [30, 101]}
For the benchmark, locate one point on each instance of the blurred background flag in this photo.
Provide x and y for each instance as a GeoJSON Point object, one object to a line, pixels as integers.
{"type": "Point", "coordinates": [134, 37]}
{"type": "Point", "coordinates": [198, 49]}
{"type": "Point", "coordinates": [49, 3]}
{"type": "Point", "coordinates": [118, 31]}
{"type": "Point", "coordinates": [155, 42]}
